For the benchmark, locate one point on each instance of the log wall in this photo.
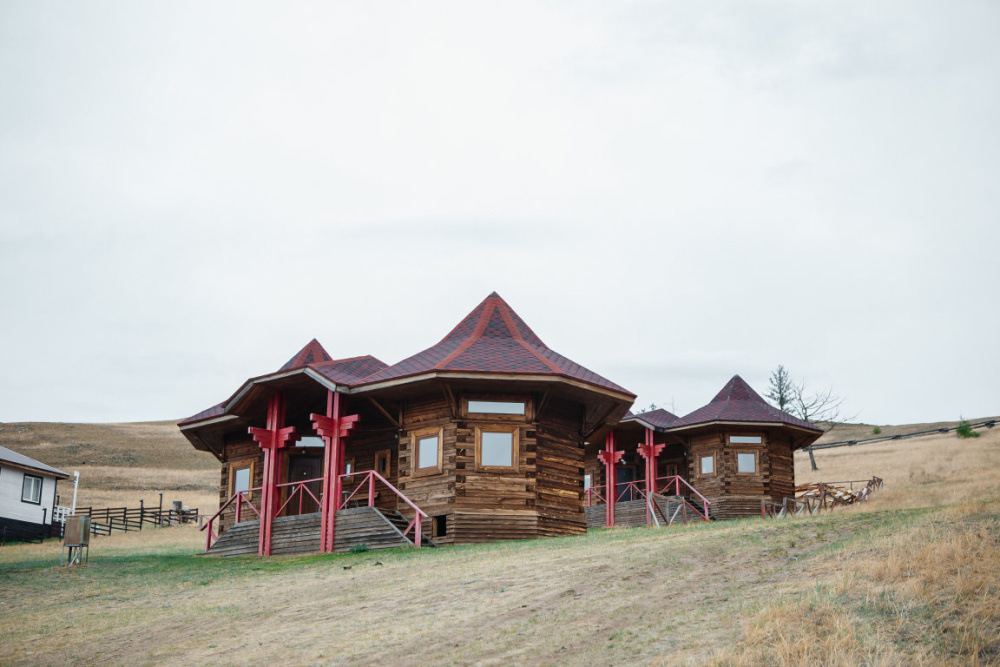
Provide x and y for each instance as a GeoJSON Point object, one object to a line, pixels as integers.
{"type": "Point", "coordinates": [734, 494]}
{"type": "Point", "coordinates": [559, 463]}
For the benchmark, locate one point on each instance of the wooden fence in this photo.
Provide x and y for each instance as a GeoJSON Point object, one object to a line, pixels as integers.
{"type": "Point", "coordinates": [813, 498]}
{"type": "Point", "coordinates": [985, 423]}
{"type": "Point", "coordinates": [107, 519]}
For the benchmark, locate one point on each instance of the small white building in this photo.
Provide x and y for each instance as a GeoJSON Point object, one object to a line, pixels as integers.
{"type": "Point", "coordinates": [27, 496]}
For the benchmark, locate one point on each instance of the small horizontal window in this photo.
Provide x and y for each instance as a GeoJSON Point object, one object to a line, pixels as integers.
{"type": "Point", "coordinates": [745, 439]}
{"type": "Point", "coordinates": [497, 407]}
{"type": "Point", "coordinates": [311, 441]}
{"type": "Point", "coordinates": [746, 462]}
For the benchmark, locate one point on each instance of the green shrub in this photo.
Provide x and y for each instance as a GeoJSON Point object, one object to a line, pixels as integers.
{"type": "Point", "coordinates": [358, 548]}
{"type": "Point", "coordinates": [877, 430]}
{"type": "Point", "coordinates": [964, 430]}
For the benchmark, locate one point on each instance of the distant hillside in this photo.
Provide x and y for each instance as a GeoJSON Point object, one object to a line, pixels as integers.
{"type": "Point", "coordinates": [130, 445]}
{"type": "Point", "coordinates": [860, 431]}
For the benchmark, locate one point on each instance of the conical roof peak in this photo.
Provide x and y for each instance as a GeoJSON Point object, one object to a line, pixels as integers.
{"type": "Point", "coordinates": [738, 402]}
{"type": "Point", "coordinates": [312, 353]}
{"type": "Point", "coordinates": [737, 389]}
{"type": "Point", "coordinates": [496, 319]}
{"type": "Point", "coordinates": [492, 338]}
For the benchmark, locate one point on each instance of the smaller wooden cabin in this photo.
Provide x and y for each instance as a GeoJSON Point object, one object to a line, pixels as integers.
{"type": "Point", "coordinates": [27, 496]}
{"type": "Point", "coordinates": [740, 448]}
{"type": "Point", "coordinates": [733, 452]}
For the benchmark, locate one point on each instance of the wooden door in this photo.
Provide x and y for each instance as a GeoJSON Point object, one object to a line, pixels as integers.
{"type": "Point", "coordinates": [625, 492]}
{"type": "Point", "coordinates": [301, 468]}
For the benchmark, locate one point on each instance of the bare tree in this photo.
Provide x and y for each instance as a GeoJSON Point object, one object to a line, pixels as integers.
{"type": "Point", "coordinates": [820, 408]}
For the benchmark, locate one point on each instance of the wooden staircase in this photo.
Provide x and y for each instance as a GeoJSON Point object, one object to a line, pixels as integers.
{"type": "Point", "coordinates": [294, 535]}
{"type": "Point", "coordinates": [630, 513]}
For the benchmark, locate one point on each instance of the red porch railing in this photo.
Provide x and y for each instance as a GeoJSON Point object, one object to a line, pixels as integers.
{"type": "Point", "coordinates": [370, 478]}
{"type": "Point", "coordinates": [636, 490]}
{"type": "Point", "coordinates": [243, 497]}
{"type": "Point", "coordinates": [299, 489]}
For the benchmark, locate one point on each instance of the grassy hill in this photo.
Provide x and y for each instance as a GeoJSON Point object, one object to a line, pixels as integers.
{"type": "Point", "coordinates": [912, 577]}
{"type": "Point", "coordinates": [120, 464]}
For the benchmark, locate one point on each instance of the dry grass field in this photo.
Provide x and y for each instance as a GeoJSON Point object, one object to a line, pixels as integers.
{"type": "Point", "coordinates": [912, 577]}
{"type": "Point", "coordinates": [120, 464]}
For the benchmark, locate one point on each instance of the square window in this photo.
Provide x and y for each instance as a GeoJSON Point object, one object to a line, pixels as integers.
{"type": "Point", "coordinates": [497, 449]}
{"type": "Point", "coordinates": [427, 452]}
{"type": "Point", "coordinates": [31, 490]}
{"type": "Point", "coordinates": [708, 465]}
{"type": "Point", "coordinates": [746, 462]}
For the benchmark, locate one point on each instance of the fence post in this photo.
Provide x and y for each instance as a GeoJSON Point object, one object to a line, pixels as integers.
{"type": "Point", "coordinates": [142, 512]}
{"type": "Point", "coordinates": [371, 489]}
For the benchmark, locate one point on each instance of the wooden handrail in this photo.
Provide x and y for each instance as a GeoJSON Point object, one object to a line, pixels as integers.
{"type": "Point", "coordinates": [370, 477]}
{"type": "Point", "coordinates": [208, 524]}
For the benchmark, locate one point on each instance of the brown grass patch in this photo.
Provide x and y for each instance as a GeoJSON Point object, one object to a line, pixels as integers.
{"type": "Point", "coordinates": [907, 578]}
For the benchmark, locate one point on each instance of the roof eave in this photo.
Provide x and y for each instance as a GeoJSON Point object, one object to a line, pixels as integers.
{"type": "Point", "coordinates": [639, 420]}
{"type": "Point", "coordinates": [51, 472]}
{"type": "Point", "coordinates": [728, 422]}
{"type": "Point", "coordinates": [263, 379]}
{"type": "Point", "coordinates": [469, 375]}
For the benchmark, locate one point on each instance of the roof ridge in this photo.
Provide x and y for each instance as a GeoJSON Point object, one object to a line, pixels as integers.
{"type": "Point", "coordinates": [516, 333]}
{"type": "Point", "coordinates": [485, 315]}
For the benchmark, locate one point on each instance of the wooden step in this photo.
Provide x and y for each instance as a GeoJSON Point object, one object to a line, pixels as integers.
{"type": "Point", "coordinates": [292, 535]}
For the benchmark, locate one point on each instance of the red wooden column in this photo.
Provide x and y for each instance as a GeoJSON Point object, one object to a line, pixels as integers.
{"type": "Point", "coordinates": [272, 440]}
{"type": "Point", "coordinates": [609, 457]}
{"type": "Point", "coordinates": [333, 428]}
{"type": "Point", "coordinates": [650, 451]}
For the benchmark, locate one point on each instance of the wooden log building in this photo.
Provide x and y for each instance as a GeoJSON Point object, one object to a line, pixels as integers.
{"type": "Point", "coordinates": [487, 435]}
{"type": "Point", "coordinates": [721, 459]}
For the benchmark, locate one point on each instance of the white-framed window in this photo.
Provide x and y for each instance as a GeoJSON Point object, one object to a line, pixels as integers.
{"type": "Point", "coordinates": [587, 481]}
{"type": "Point", "coordinates": [707, 466]}
{"type": "Point", "coordinates": [496, 447]}
{"type": "Point", "coordinates": [746, 462]}
{"type": "Point", "coordinates": [31, 490]}
{"type": "Point", "coordinates": [745, 439]}
{"type": "Point", "coordinates": [427, 451]}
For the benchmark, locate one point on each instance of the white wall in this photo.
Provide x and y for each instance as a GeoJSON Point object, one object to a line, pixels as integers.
{"type": "Point", "coordinates": [11, 506]}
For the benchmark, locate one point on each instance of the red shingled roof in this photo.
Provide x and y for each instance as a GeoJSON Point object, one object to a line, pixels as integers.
{"type": "Point", "coordinates": [492, 339]}
{"type": "Point", "coordinates": [340, 371]}
{"type": "Point", "coordinates": [738, 402]}
{"type": "Point", "coordinates": [312, 353]}
{"type": "Point", "coordinates": [659, 418]}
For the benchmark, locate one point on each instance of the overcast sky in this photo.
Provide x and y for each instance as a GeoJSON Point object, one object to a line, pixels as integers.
{"type": "Point", "coordinates": [668, 194]}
